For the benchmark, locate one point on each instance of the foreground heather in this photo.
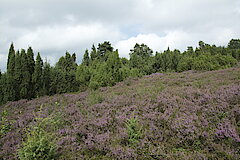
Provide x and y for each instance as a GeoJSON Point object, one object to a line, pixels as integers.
{"type": "Point", "coordinates": [189, 115]}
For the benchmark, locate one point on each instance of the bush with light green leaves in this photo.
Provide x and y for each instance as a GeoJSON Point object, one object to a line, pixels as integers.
{"type": "Point", "coordinates": [40, 144]}
{"type": "Point", "coordinates": [134, 130]}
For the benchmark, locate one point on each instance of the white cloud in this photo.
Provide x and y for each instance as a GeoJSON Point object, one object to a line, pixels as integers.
{"type": "Point", "coordinates": [53, 41]}
{"type": "Point", "coordinates": [174, 40]}
{"type": "Point", "coordinates": [64, 37]}
{"type": "Point", "coordinates": [177, 39]}
{"type": "Point", "coordinates": [152, 40]}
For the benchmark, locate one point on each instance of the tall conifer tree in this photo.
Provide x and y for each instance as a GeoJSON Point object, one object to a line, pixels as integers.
{"type": "Point", "coordinates": [30, 60]}
{"type": "Point", "coordinates": [18, 74]}
{"type": "Point", "coordinates": [9, 91]}
{"type": "Point", "coordinates": [26, 77]}
{"type": "Point", "coordinates": [11, 60]}
{"type": "Point", "coordinates": [37, 76]}
{"type": "Point", "coordinates": [46, 78]}
{"type": "Point", "coordinates": [31, 65]}
{"type": "Point", "coordinates": [93, 53]}
{"type": "Point", "coordinates": [86, 58]}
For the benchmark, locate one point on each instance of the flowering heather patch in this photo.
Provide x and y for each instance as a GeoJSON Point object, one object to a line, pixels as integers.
{"type": "Point", "coordinates": [189, 115]}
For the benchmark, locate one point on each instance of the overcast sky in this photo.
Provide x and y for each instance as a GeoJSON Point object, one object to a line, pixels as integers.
{"type": "Point", "coordinates": [53, 27]}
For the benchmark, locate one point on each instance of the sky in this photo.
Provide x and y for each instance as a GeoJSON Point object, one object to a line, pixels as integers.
{"type": "Point", "coordinates": [53, 27]}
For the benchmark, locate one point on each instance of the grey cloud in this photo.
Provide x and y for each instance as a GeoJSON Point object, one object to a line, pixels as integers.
{"type": "Point", "coordinates": [30, 13]}
{"type": "Point", "coordinates": [41, 22]}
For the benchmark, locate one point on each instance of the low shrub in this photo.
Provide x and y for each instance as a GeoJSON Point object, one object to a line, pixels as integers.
{"type": "Point", "coordinates": [134, 130]}
{"type": "Point", "coordinates": [40, 144]}
{"type": "Point", "coordinates": [5, 125]}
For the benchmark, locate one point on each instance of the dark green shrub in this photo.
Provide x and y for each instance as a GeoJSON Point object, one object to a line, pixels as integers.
{"type": "Point", "coordinates": [209, 62]}
{"type": "Point", "coordinates": [94, 85]}
{"type": "Point", "coordinates": [185, 64]}
{"type": "Point", "coordinates": [205, 63]}
{"type": "Point", "coordinates": [134, 72]}
{"type": "Point", "coordinates": [83, 75]}
{"type": "Point", "coordinates": [125, 72]}
{"type": "Point", "coordinates": [225, 61]}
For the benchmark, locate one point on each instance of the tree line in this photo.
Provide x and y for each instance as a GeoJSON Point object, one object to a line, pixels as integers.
{"type": "Point", "coordinates": [28, 78]}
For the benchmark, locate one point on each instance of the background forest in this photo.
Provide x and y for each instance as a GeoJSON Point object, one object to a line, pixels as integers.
{"type": "Point", "coordinates": [27, 78]}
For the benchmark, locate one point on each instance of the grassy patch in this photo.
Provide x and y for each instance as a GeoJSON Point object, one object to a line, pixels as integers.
{"type": "Point", "coordinates": [95, 97]}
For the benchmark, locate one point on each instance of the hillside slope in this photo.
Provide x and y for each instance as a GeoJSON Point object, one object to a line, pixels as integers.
{"type": "Point", "coordinates": [189, 115]}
